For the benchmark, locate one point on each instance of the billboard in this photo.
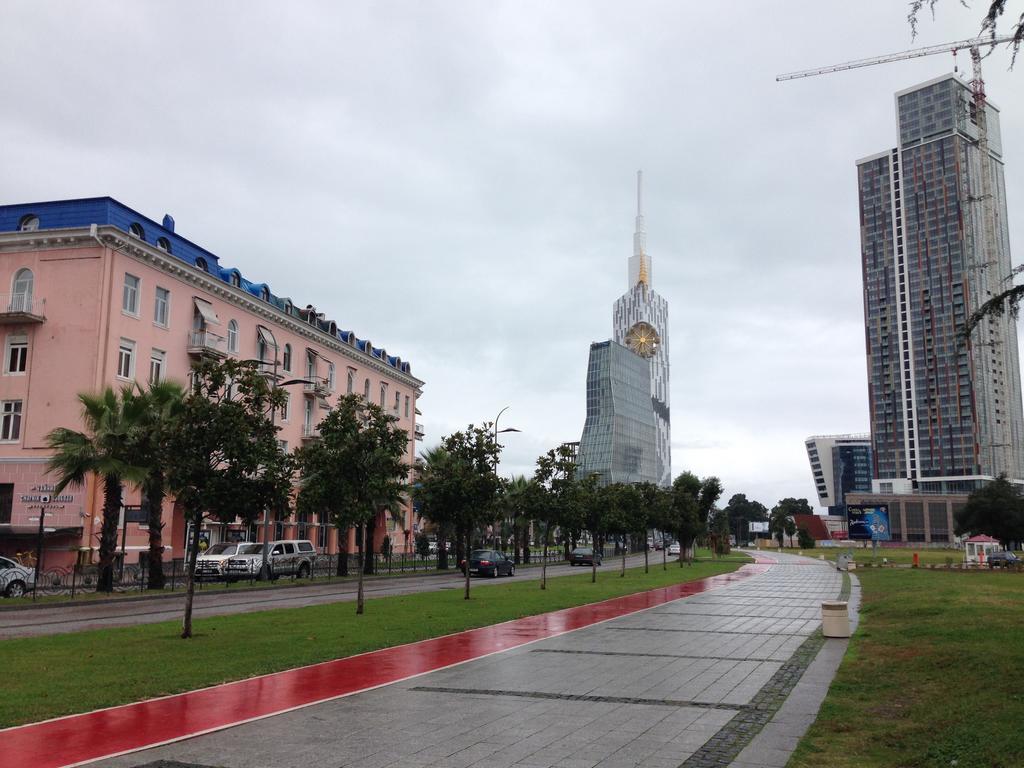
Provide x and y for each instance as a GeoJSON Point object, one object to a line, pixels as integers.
{"type": "Point", "coordinates": [758, 527]}
{"type": "Point", "coordinates": [866, 522]}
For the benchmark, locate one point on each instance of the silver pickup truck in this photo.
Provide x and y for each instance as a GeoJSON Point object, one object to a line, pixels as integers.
{"type": "Point", "coordinates": [292, 557]}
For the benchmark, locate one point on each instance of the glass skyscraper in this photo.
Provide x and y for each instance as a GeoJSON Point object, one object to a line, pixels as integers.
{"type": "Point", "coordinates": [945, 413]}
{"type": "Point", "coordinates": [620, 435]}
{"type": "Point", "coordinates": [840, 464]}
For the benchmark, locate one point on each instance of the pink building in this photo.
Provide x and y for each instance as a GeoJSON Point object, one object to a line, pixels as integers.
{"type": "Point", "coordinates": [98, 295]}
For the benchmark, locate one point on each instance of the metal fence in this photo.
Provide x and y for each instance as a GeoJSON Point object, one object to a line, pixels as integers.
{"type": "Point", "coordinates": [76, 580]}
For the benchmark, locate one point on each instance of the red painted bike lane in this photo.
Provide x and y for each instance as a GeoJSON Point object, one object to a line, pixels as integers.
{"type": "Point", "coordinates": [78, 739]}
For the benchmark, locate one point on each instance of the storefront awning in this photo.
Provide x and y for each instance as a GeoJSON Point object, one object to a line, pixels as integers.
{"type": "Point", "coordinates": [266, 336]}
{"type": "Point", "coordinates": [31, 531]}
{"type": "Point", "coordinates": [205, 309]}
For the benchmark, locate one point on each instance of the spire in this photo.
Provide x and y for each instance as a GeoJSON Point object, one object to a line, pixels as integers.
{"type": "Point", "coordinates": [639, 265]}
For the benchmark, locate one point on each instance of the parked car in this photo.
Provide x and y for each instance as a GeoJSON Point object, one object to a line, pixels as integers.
{"type": "Point", "coordinates": [488, 562]}
{"type": "Point", "coordinates": [659, 544]}
{"type": "Point", "coordinates": [673, 548]}
{"type": "Point", "coordinates": [584, 556]}
{"type": "Point", "coordinates": [1002, 560]}
{"type": "Point", "coordinates": [293, 557]}
{"type": "Point", "coordinates": [15, 579]}
{"type": "Point", "coordinates": [210, 564]}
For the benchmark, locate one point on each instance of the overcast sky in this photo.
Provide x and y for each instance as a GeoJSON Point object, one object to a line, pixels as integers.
{"type": "Point", "coordinates": [455, 182]}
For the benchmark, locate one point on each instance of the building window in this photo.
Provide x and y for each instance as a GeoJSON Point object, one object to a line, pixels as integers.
{"type": "Point", "coordinates": [157, 363]}
{"type": "Point", "coordinates": [307, 418]}
{"type": "Point", "coordinates": [236, 279]}
{"type": "Point", "coordinates": [286, 407]}
{"type": "Point", "coordinates": [351, 381]}
{"type": "Point", "coordinates": [311, 366]}
{"type": "Point", "coordinates": [321, 536]}
{"type": "Point", "coordinates": [383, 393]}
{"type": "Point", "coordinates": [398, 400]}
{"type": "Point", "coordinates": [330, 377]}
{"type": "Point", "coordinates": [162, 307]}
{"type": "Point", "coordinates": [233, 337]}
{"type": "Point", "coordinates": [406, 406]}
{"type": "Point", "coordinates": [282, 446]}
{"type": "Point", "coordinates": [366, 390]}
{"type": "Point", "coordinates": [137, 230]}
{"type": "Point", "coordinates": [163, 244]}
{"type": "Point", "coordinates": [21, 296]}
{"type": "Point", "coordinates": [17, 353]}
{"type": "Point", "coordinates": [265, 294]}
{"type": "Point", "coordinates": [201, 264]}
{"type": "Point", "coordinates": [126, 359]}
{"type": "Point", "coordinates": [10, 421]}
{"type": "Point", "coordinates": [130, 296]}
{"type": "Point", "coordinates": [29, 223]}
{"type": "Point", "coordinates": [287, 357]}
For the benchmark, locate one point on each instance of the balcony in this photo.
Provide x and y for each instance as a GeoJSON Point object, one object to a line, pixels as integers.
{"type": "Point", "coordinates": [16, 308]}
{"type": "Point", "coordinates": [418, 432]}
{"type": "Point", "coordinates": [205, 343]}
{"type": "Point", "coordinates": [315, 385]}
{"type": "Point", "coordinates": [310, 432]}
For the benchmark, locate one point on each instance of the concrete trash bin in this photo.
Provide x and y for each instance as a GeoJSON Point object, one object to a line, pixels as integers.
{"type": "Point", "coordinates": [835, 619]}
{"type": "Point", "coordinates": [843, 561]}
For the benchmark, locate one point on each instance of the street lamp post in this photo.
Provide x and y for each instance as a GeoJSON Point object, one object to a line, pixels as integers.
{"type": "Point", "coordinates": [497, 455]}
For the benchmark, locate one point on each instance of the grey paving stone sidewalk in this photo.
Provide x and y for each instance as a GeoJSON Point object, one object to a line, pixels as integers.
{"type": "Point", "coordinates": [691, 683]}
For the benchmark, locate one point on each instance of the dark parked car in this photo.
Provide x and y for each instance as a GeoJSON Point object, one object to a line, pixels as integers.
{"type": "Point", "coordinates": [1002, 560]}
{"type": "Point", "coordinates": [584, 556]}
{"type": "Point", "coordinates": [488, 562]}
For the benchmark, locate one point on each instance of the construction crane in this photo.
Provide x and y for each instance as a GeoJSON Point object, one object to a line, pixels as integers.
{"type": "Point", "coordinates": [986, 199]}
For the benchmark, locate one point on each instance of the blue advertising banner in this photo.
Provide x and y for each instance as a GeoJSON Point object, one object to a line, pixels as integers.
{"type": "Point", "coordinates": [868, 523]}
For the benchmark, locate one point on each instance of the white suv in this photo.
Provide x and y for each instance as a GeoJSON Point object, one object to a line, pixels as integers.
{"type": "Point", "coordinates": [293, 557]}
{"type": "Point", "coordinates": [210, 564]}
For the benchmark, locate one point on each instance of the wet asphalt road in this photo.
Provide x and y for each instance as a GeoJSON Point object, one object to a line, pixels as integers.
{"type": "Point", "coordinates": [216, 600]}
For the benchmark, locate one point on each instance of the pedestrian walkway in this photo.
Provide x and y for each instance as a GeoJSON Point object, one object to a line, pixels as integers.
{"type": "Point", "coordinates": [83, 738]}
{"type": "Point", "coordinates": [685, 682]}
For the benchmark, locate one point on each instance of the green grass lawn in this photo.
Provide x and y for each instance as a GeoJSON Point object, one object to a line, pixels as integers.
{"type": "Point", "coordinates": [934, 676]}
{"type": "Point", "coordinates": [62, 674]}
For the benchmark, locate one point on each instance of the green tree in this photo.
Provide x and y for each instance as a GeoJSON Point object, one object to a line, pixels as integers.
{"type": "Point", "coordinates": [429, 491]}
{"type": "Point", "coordinates": [354, 471]}
{"type": "Point", "coordinates": [162, 406]}
{"type": "Point", "coordinates": [996, 509]}
{"type": "Point", "coordinates": [423, 545]}
{"type": "Point", "coordinates": [741, 512]}
{"type": "Point", "coordinates": [224, 460]}
{"type": "Point", "coordinates": [780, 521]}
{"type": "Point", "coordinates": [718, 532]}
{"type": "Point", "coordinates": [624, 514]}
{"type": "Point", "coordinates": [106, 451]}
{"type": "Point", "coordinates": [693, 501]}
{"type": "Point", "coordinates": [518, 501]}
{"type": "Point", "coordinates": [804, 539]}
{"type": "Point", "coordinates": [555, 500]}
{"type": "Point", "coordinates": [653, 504]}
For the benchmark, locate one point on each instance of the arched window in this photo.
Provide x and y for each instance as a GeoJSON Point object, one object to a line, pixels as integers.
{"type": "Point", "coordinates": [330, 377]}
{"type": "Point", "coordinates": [288, 308]}
{"type": "Point", "coordinates": [366, 390]}
{"type": "Point", "coordinates": [233, 337]}
{"type": "Point", "coordinates": [29, 223]}
{"type": "Point", "coordinates": [287, 357]}
{"type": "Point", "coordinates": [201, 264]}
{"type": "Point", "coordinates": [21, 296]}
{"type": "Point", "coordinates": [163, 244]}
{"type": "Point", "coordinates": [265, 293]}
{"type": "Point", "coordinates": [351, 380]}
{"type": "Point", "coordinates": [137, 230]}
{"type": "Point", "coordinates": [261, 348]}
{"type": "Point", "coordinates": [383, 394]}
{"type": "Point", "coordinates": [236, 279]}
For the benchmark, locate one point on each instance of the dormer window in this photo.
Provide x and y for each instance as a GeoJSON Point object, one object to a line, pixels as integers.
{"type": "Point", "coordinates": [136, 230]}
{"type": "Point", "coordinates": [29, 223]}
{"type": "Point", "coordinates": [287, 307]}
{"type": "Point", "coordinates": [163, 244]}
{"type": "Point", "coordinates": [236, 279]}
{"type": "Point", "coordinates": [201, 264]}
{"type": "Point", "coordinates": [265, 293]}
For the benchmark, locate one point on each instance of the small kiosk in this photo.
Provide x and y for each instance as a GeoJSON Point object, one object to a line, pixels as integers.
{"type": "Point", "coordinates": [977, 548]}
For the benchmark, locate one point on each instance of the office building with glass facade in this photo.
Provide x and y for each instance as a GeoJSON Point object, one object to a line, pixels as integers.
{"type": "Point", "coordinates": [840, 464]}
{"type": "Point", "coordinates": [946, 415]}
{"type": "Point", "coordinates": [620, 435]}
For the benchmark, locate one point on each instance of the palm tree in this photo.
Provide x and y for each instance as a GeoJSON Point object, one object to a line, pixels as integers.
{"type": "Point", "coordinates": [516, 493]}
{"type": "Point", "coordinates": [105, 450]}
{"type": "Point", "coordinates": [161, 406]}
{"type": "Point", "coordinates": [428, 463]}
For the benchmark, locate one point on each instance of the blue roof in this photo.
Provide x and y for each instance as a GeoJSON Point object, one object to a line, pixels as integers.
{"type": "Point", "coordinates": [68, 214]}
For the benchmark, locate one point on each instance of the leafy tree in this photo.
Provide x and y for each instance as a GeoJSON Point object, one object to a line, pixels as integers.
{"type": "Point", "coordinates": [693, 501]}
{"type": "Point", "coordinates": [430, 470]}
{"type": "Point", "coordinates": [804, 539]}
{"type": "Point", "coordinates": [354, 471]}
{"type": "Point", "coordinates": [105, 450]}
{"type": "Point", "coordinates": [653, 503]}
{"type": "Point", "coordinates": [741, 512]}
{"type": "Point", "coordinates": [422, 545]}
{"type": "Point", "coordinates": [556, 500]}
{"type": "Point", "coordinates": [517, 504]}
{"type": "Point", "coordinates": [718, 532]}
{"type": "Point", "coordinates": [624, 514]}
{"type": "Point", "coordinates": [997, 509]}
{"type": "Point", "coordinates": [225, 463]}
{"type": "Point", "coordinates": [162, 406]}
{"type": "Point", "coordinates": [780, 521]}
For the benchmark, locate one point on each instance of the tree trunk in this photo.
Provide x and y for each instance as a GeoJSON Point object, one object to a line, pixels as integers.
{"type": "Point", "coordinates": [108, 532]}
{"type": "Point", "coordinates": [155, 498]}
{"type": "Point", "coordinates": [647, 568]}
{"type": "Point", "coordinates": [342, 569]}
{"type": "Point", "coordinates": [664, 554]}
{"type": "Point", "coordinates": [368, 531]}
{"type": "Point", "coordinates": [442, 552]}
{"type": "Point", "coordinates": [622, 572]}
{"type": "Point", "coordinates": [361, 541]}
{"type": "Point", "coordinates": [544, 561]}
{"type": "Point", "coordinates": [526, 543]}
{"type": "Point", "coordinates": [190, 574]}
{"type": "Point", "coordinates": [515, 540]}
{"type": "Point", "coordinates": [466, 560]}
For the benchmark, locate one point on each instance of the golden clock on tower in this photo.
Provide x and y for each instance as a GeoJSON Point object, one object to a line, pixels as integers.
{"type": "Point", "coordinates": [643, 339]}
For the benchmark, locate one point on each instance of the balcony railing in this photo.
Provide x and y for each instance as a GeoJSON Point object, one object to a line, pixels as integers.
{"type": "Point", "coordinates": [310, 431]}
{"type": "Point", "coordinates": [21, 308]}
{"type": "Point", "coordinates": [418, 432]}
{"type": "Point", "coordinates": [204, 342]}
{"type": "Point", "coordinates": [315, 384]}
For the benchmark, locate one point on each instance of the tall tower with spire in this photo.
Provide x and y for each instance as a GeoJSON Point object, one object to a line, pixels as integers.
{"type": "Point", "coordinates": [640, 321]}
